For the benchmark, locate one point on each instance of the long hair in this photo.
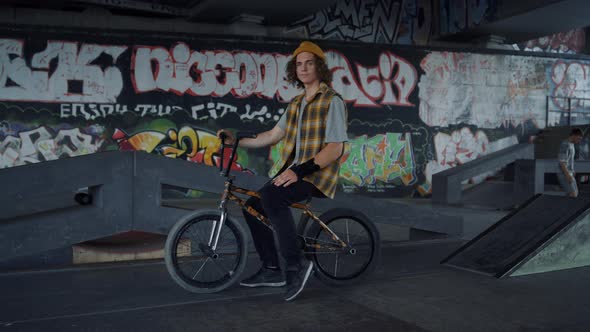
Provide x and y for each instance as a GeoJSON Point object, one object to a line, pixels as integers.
{"type": "Point", "coordinates": [576, 132]}
{"type": "Point", "coordinates": [324, 73]}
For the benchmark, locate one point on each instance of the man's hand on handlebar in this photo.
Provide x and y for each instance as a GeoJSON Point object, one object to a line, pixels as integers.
{"type": "Point", "coordinates": [229, 138]}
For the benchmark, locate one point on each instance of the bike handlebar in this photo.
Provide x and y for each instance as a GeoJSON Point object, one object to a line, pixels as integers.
{"type": "Point", "coordinates": [223, 136]}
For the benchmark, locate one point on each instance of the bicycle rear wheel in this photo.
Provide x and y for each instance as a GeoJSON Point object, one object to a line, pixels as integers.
{"type": "Point", "coordinates": [337, 265]}
{"type": "Point", "coordinates": [193, 264]}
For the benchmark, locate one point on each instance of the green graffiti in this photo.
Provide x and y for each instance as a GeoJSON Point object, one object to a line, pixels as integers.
{"type": "Point", "coordinates": [383, 158]}
{"type": "Point", "coordinates": [275, 156]}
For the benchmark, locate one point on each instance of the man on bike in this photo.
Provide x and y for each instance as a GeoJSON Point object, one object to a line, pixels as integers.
{"type": "Point", "coordinates": [314, 132]}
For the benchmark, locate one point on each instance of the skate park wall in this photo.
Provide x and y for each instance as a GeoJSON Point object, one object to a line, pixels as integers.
{"type": "Point", "coordinates": [412, 111]}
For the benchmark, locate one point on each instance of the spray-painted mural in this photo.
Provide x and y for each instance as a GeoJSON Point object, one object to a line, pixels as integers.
{"type": "Point", "coordinates": [28, 143]}
{"type": "Point", "coordinates": [412, 112]}
{"type": "Point", "coordinates": [372, 21]}
{"type": "Point", "coordinates": [407, 22]}
{"type": "Point", "coordinates": [460, 15]}
{"type": "Point", "coordinates": [571, 42]}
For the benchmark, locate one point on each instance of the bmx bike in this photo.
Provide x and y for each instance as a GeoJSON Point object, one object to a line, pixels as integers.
{"type": "Point", "coordinates": [206, 251]}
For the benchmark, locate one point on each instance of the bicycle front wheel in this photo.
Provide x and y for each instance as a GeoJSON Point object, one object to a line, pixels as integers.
{"type": "Point", "coordinates": [340, 265]}
{"type": "Point", "coordinates": [193, 263]}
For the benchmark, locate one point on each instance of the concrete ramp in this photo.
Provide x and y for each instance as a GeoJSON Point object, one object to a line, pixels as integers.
{"type": "Point", "coordinates": [546, 233]}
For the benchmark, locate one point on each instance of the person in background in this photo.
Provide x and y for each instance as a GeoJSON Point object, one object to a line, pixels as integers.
{"type": "Point", "coordinates": [567, 176]}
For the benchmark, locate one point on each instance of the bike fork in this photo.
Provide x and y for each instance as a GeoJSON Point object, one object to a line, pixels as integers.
{"type": "Point", "coordinates": [216, 230]}
{"type": "Point", "coordinates": [218, 224]}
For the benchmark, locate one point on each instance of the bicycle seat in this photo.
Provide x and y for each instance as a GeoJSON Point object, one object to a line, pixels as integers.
{"type": "Point", "coordinates": [245, 134]}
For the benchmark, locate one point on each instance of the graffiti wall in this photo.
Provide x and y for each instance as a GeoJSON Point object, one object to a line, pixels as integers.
{"type": "Point", "coordinates": [412, 112]}
{"type": "Point", "coordinates": [409, 22]}
{"type": "Point", "coordinates": [571, 42]}
{"type": "Point", "coordinates": [460, 15]}
{"type": "Point", "coordinates": [372, 21]}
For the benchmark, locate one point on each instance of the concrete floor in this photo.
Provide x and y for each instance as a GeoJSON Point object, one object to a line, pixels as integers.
{"type": "Point", "coordinates": [410, 291]}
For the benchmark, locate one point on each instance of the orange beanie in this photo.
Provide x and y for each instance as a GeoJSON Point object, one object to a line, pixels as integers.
{"type": "Point", "coordinates": [310, 47]}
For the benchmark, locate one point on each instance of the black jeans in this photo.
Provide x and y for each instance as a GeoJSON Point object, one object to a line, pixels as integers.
{"type": "Point", "coordinates": [274, 204]}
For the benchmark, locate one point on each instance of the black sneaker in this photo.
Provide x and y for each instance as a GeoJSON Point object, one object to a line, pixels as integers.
{"type": "Point", "coordinates": [265, 277]}
{"type": "Point", "coordinates": [296, 280]}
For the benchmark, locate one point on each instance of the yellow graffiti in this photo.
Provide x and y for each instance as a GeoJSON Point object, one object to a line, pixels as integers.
{"type": "Point", "coordinates": [189, 143]}
{"type": "Point", "coordinates": [146, 141]}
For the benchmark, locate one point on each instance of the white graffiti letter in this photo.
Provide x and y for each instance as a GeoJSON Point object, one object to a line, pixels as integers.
{"type": "Point", "coordinates": [146, 78]}
{"type": "Point", "coordinates": [344, 82]}
{"type": "Point", "coordinates": [404, 80]}
{"type": "Point", "coordinates": [266, 65]}
{"type": "Point", "coordinates": [246, 68]}
{"type": "Point", "coordinates": [222, 64]}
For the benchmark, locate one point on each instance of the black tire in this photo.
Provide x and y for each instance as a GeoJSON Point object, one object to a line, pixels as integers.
{"type": "Point", "coordinates": [355, 229]}
{"type": "Point", "coordinates": [189, 260]}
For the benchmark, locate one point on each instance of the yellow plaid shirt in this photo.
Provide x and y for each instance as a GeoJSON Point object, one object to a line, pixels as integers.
{"type": "Point", "coordinates": [312, 136]}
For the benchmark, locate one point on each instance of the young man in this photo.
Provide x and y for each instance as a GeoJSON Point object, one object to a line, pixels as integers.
{"type": "Point", "coordinates": [314, 132]}
{"type": "Point", "coordinates": [567, 176]}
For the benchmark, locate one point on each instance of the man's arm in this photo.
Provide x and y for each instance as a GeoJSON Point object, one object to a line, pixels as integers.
{"type": "Point", "coordinates": [563, 157]}
{"type": "Point", "coordinates": [263, 139]}
{"type": "Point", "coordinates": [330, 153]}
{"type": "Point", "coordinates": [336, 125]}
{"type": "Point", "coordinates": [565, 171]}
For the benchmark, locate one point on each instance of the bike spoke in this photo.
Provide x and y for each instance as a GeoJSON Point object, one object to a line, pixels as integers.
{"type": "Point", "coordinates": [219, 267]}
{"type": "Point", "coordinates": [201, 268]}
{"type": "Point", "coordinates": [347, 235]}
{"type": "Point", "coordinates": [195, 234]}
{"type": "Point", "coordinates": [322, 252]}
{"type": "Point", "coordinates": [356, 236]}
{"type": "Point", "coordinates": [336, 266]}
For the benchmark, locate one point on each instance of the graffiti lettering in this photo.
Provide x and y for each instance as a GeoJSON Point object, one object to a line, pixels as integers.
{"type": "Point", "coordinates": [572, 41]}
{"type": "Point", "coordinates": [244, 74]}
{"type": "Point", "coordinates": [74, 66]}
{"type": "Point", "coordinates": [210, 73]}
{"type": "Point", "coordinates": [468, 88]}
{"type": "Point", "coordinates": [41, 145]}
{"type": "Point", "coordinates": [459, 15]}
{"type": "Point", "coordinates": [460, 147]}
{"type": "Point", "coordinates": [385, 158]}
{"type": "Point", "coordinates": [187, 143]}
{"type": "Point", "coordinates": [371, 21]}
{"type": "Point", "coordinates": [96, 111]}
{"type": "Point", "coordinates": [569, 79]}
{"type": "Point", "coordinates": [213, 110]}
{"type": "Point", "coordinates": [219, 110]}
{"type": "Point", "coordinates": [392, 82]}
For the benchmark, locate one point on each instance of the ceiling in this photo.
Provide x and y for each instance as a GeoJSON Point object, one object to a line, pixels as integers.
{"type": "Point", "coordinates": [268, 12]}
{"type": "Point", "coordinates": [538, 20]}
{"type": "Point", "coordinates": [528, 20]}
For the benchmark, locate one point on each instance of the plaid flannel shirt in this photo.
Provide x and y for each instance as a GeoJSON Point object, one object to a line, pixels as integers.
{"type": "Point", "coordinates": [313, 127]}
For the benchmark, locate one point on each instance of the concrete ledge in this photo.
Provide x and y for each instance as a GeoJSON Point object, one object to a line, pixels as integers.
{"type": "Point", "coordinates": [529, 175]}
{"type": "Point", "coordinates": [40, 214]}
{"type": "Point", "coordinates": [446, 185]}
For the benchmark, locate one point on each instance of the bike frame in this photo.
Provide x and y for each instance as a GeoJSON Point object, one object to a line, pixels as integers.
{"type": "Point", "coordinates": [228, 195]}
